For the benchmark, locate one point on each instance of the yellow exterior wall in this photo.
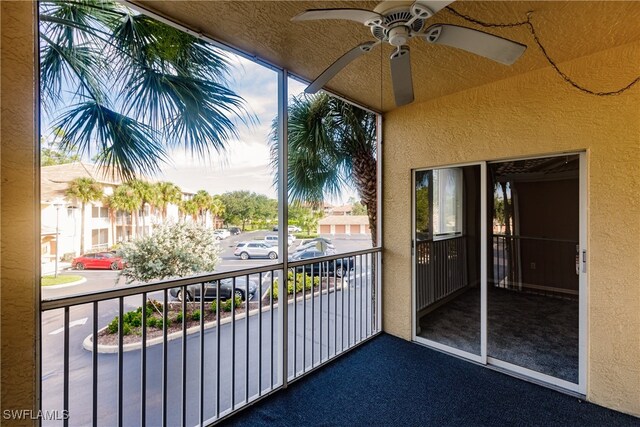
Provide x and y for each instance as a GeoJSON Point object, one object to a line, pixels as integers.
{"type": "Point", "coordinates": [532, 114]}
{"type": "Point", "coordinates": [19, 222]}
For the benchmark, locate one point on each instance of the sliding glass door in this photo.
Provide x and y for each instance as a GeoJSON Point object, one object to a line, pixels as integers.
{"type": "Point", "coordinates": [499, 265]}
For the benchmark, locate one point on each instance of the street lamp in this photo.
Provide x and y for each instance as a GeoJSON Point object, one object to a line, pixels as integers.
{"type": "Point", "coordinates": [57, 204]}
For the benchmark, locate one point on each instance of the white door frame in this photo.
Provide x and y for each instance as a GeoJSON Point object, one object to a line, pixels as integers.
{"type": "Point", "coordinates": [483, 357]}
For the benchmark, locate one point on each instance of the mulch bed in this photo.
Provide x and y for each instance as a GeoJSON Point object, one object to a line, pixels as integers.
{"type": "Point", "coordinates": [175, 307]}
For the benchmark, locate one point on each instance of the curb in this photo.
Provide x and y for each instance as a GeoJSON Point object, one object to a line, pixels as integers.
{"type": "Point", "coordinates": [66, 285]}
{"type": "Point", "coordinates": [87, 344]}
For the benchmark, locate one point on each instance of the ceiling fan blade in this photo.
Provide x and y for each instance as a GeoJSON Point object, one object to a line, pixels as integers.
{"type": "Point", "coordinates": [484, 44]}
{"type": "Point", "coordinates": [401, 76]}
{"type": "Point", "coordinates": [342, 62]}
{"type": "Point", "coordinates": [434, 6]}
{"type": "Point", "coordinates": [359, 15]}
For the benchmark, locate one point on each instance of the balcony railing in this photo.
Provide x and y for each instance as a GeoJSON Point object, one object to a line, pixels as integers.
{"type": "Point", "coordinates": [179, 362]}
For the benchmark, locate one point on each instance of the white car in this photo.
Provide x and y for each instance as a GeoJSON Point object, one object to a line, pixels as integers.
{"type": "Point", "coordinates": [222, 234]}
{"type": "Point", "coordinates": [246, 250]}
{"type": "Point", "coordinates": [294, 229]}
{"type": "Point", "coordinates": [273, 239]}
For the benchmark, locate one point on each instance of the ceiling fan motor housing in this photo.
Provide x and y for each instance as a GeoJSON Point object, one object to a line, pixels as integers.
{"type": "Point", "coordinates": [400, 20]}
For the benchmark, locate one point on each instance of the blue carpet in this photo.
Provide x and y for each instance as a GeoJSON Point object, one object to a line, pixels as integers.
{"type": "Point", "coordinates": [389, 381]}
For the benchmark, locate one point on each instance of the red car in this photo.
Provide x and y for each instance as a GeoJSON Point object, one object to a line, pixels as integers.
{"type": "Point", "coordinates": [106, 260]}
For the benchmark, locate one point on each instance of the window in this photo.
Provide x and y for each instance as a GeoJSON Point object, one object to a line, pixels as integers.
{"type": "Point", "coordinates": [447, 202]}
{"type": "Point", "coordinates": [100, 237]}
{"type": "Point", "coordinates": [99, 212]}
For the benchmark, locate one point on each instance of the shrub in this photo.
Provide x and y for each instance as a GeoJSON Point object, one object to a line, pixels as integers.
{"type": "Point", "coordinates": [226, 305]}
{"type": "Point", "coordinates": [195, 315]}
{"type": "Point", "coordinates": [173, 250]}
{"type": "Point", "coordinates": [179, 317]}
{"type": "Point", "coordinates": [301, 280]}
{"type": "Point", "coordinates": [152, 322]}
{"type": "Point", "coordinates": [126, 329]}
{"type": "Point", "coordinates": [113, 326]}
{"type": "Point", "coordinates": [213, 307]}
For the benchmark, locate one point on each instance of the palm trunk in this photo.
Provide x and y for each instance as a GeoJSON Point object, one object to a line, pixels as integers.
{"type": "Point", "coordinates": [364, 174]}
{"type": "Point", "coordinates": [134, 223]}
{"type": "Point", "coordinates": [82, 220]}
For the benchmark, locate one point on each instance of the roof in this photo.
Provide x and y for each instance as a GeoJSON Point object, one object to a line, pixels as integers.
{"type": "Point", "coordinates": [567, 29]}
{"type": "Point", "coordinates": [344, 219]}
{"type": "Point", "coordinates": [54, 180]}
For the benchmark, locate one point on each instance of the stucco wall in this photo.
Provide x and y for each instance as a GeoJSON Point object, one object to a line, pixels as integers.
{"type": "Point", "coordinates": [18, 210]}
{"type": "Point", "coordinates": [532, 114]}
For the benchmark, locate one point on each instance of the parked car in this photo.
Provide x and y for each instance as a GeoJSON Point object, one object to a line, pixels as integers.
{"type": "Point", "coordinates": [319, 243]}
{"type": "Point", "coordinates": [246, 250]}
{"type": "Point", "coordinates": [222, 234]}
{"type": "Point", "coordinates": [104, 260]}
{"type": "Point", "coordinates": [273, 239]}
{"type": "Point", "coordinates": [342, 266]}
{"type": "Point", "coordinates": [294, 229]}
{"type": "Point", "coordinates": [235, 231]}
{"type": "Point", "coordinates": [210, 289]}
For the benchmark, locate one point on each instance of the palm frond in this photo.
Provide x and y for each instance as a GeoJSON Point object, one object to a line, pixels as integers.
{"type": "Point", "coordinates": [125, 147]}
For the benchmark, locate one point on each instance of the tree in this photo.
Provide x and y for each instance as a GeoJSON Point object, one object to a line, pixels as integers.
{"type": "Point", "coordinates": [53, 152]}
{"type": "Point", "coordinates": [239, 207]}
{"type": "Point", "coordinates": [216, 208]}
{"type": "Point", "coordinates": [173, 250]}
{"type": "Point", "coordinates": [189, 207]}
{"type": "Point", "coordinates": [358, 209]}
{"type": "Point", "coordinates": [148, 195]}
{"type": "Point", "coordinates": [332, 144]}
{"type": "Point", "coordinates": [132, 86]}
{"type": "Point", "coordinates": [83, 191]}
{"type": "Point", "coordinates": [168, 193]}
{"type": "Point", "coordinates": [202, 200]}
{"type": "Point", "coordinates": [127, 199]}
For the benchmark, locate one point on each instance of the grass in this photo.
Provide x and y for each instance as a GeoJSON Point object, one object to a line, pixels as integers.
{"type": "Point", "coordinates": [60, 280]}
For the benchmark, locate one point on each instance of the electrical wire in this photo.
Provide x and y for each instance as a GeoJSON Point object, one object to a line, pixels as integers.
{"type": "Point", "coordinates": [529, 24]}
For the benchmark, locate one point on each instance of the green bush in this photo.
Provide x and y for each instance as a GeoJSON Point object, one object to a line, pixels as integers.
{"type": "Point", "coordinates": [213, 307]}
{"type": "Point", "coordinates": [301, 280]}
{"type": "Point", "coordinates": [306, 236]}
{"type": "Point", "coordinates": [226, 305]}
{"type": "Point", "coordinates": [195, 315]}
{"type": "Point", "coordinates": [113, 326]}
{"type": "Point", "coordinates": [126, 329]}
{"type": "Point", "coordinates": [152, 322]}
{"type": "Point", "coordinates": [179, 317]}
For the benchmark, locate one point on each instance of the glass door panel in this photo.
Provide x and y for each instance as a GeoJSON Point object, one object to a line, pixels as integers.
{"type": "Point", "coordinates": [533, 284]}
{"type": "Point", "coordinates": [447, 257]}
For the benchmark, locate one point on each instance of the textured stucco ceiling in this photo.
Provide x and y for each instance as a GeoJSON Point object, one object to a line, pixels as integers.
{"type": "Point", "coordinates": [263, 28]}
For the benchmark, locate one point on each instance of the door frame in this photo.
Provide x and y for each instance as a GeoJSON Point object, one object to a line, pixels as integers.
{"type": "Point", "coordinates": [483, 358]}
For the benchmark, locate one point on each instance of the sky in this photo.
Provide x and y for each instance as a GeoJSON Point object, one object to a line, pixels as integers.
{"type": "Point", "coordinates": [245, 165]}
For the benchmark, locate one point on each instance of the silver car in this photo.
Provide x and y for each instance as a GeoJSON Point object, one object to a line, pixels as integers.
{"type": "Point", "coordinates": [246, 250]}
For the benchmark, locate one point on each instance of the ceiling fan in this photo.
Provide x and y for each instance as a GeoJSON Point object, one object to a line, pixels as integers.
{"type": "Point", "coordinates": [396, 22]}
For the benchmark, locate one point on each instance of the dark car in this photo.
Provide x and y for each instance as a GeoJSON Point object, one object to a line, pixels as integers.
{"type": "Point", "coordinates": [234, 231]}
{"type": "Point", "coordinates": [210, 289]}
{"type": "Point", "coordinates": [103, 260]}
{"type": "Point", "coordinates": [341, 266]}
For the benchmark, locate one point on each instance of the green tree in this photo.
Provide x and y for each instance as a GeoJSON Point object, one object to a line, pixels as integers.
{"type": "Point", "coordinates": [332, 144]}
{"type": "Point", "coordinates": [168, 193]}
{"type": "Point", "coordinates": [189, 207]}
{"type": "Point", "coordinates": [358, 209]}
{"type": "Point", "coordinates": [127, 198]}
{"type": "Point", "coordinates": [173, 250]}
{"type": "Point", "coordinates": [148, 196]}
{"type": "Point", "coordinates": [55, 151]}
{"type": "Point", "coordinates": [83, 191]}
{"type": "Point", "coordinates": [217, 208]}
{"type": "Point", "coordinates": [202, 200]}
{"type": "Point", "coordinates": [239, 207]}
{"type": "Point", "coordinates": [137, 86]}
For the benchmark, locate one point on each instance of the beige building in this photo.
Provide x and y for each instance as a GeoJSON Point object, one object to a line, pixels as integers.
{"type": "Point", "coordinates": [344, 224]}
{"type": "Point", "coordinates": [466, 111]}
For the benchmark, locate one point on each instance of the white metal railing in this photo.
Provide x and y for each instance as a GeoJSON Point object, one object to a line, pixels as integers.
{"type": "Point", "coordinates": [177, 367]}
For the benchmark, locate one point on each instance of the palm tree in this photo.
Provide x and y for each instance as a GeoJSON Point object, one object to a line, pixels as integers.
{"type": "Point", "coordinates": [127, 199]}
{"type": "Point", "coordinates": [202, 200]}
{"type": "Point", "coordinates": [168, 193]}
{"type": "Point", "coordinates": [148, 195]}
{"type": "Point", "coordinates": [138, 86]}
{"type": "Point", "coordinates": [189, 207]}
{"type": "Point", "coordinates": [83, 191]}
{"type": "Point", "coordinates": [216, 208]}
{"type": "Point", "coordinates": [332, 144]}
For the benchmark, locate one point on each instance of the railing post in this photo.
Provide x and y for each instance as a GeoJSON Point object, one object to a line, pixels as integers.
{"type": "Point", "coordinates": [283, 223]}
